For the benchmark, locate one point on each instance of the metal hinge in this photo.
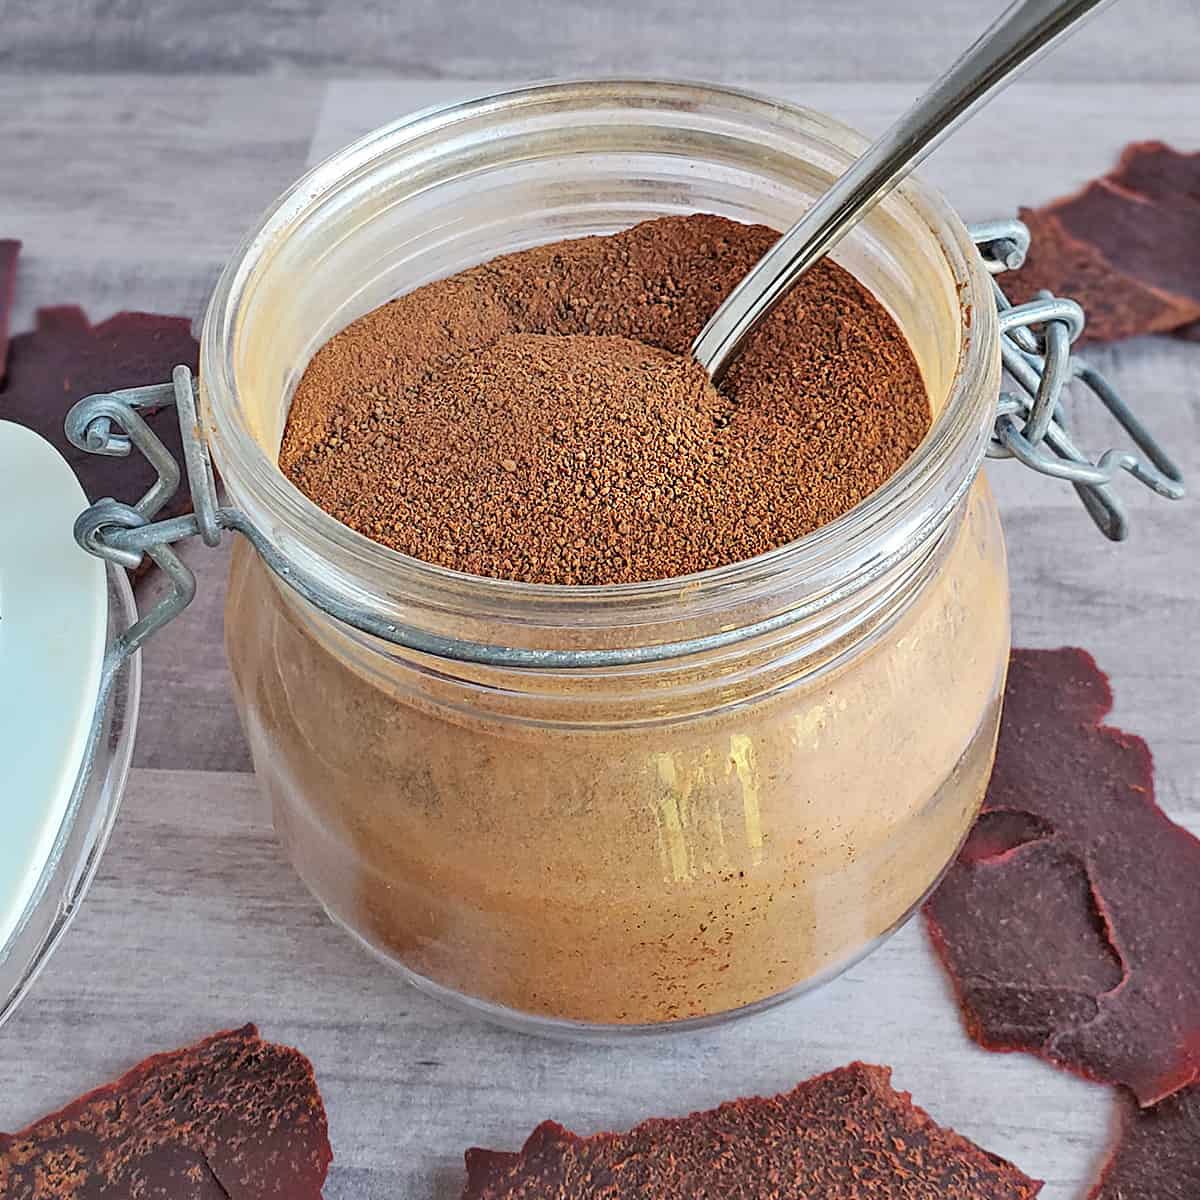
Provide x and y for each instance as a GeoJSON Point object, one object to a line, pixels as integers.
{"type": "Point", "coordinates": [1031, 425]}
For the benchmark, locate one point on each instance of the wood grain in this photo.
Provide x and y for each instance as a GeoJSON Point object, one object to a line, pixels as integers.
{"type": "Point", "coordinates": [107, 173]}
{"type": "Point", "coordinates": [1153, 40]}
{"type": "Point", "coordinates": [196, 922]}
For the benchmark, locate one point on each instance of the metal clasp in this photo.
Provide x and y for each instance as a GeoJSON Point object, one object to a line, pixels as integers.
{"type": "Point", "coordinates": [1031, 425]}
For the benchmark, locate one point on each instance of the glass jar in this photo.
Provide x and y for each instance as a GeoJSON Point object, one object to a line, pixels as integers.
{"type": "Point", "coordinates": [613, 806]}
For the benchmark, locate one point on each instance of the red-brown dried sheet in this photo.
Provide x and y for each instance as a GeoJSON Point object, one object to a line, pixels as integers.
{"type": "Point", "coordinates": [9, 252]}
{"type": "Point", "coordinates": [1069, 923]}
{"type": "Point", "coordinates": [1157, 1155]}
{"type": "Point", "coordinates": [66, 358]}
{"type": "Point", "coordinates": [842, 1136]}
{"type": "Point", "coordinates": [8, 286]}
{"type": "Point", "coordinates": [230, 1118]}
{"type": "Point", "coordinates": [1126, 246]}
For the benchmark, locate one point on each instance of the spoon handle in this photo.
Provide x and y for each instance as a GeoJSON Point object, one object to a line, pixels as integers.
{"type": "Point", "coordinates": [1025, 31]}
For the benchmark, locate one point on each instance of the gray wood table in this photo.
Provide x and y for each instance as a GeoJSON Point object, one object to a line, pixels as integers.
{"type": "Point", "coordinates": [137, 142]}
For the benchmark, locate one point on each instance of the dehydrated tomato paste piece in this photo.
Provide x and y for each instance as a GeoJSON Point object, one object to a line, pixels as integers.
{"type": "Point", "coordinates": [1069, 923]}
{"type": "Point", "coordinates": [67, 358]}
{"type": "Point", "coordinates": [230, 1118]}
{"type": "Point", "coordinates": [842, 1136]}
{"type": "Point", "coordinates": [1126, 246]}
{"type": "Point", "coordinates": [1157, 1155]}
{"type": "Point", "coordinates": [8, 285]}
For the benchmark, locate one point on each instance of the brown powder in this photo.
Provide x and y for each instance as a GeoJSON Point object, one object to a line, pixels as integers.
{"type": "Point", "coordinates": [737, 833]}
{"type": "Point", "coordinates": [538, 417]}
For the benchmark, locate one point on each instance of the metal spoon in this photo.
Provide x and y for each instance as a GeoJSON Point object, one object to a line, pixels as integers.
{"type": "Point", "coordinates": [1024, 32]}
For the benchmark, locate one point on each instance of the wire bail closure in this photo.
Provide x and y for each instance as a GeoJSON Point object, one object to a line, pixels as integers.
{"type": "Point", "coordinates": [1030, 426]}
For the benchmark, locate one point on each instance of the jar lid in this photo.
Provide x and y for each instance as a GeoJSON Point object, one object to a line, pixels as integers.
{"type": "Point", "coordinates": [54, 622]}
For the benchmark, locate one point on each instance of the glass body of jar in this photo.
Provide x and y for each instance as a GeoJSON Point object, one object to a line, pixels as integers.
{"type": "Point", "coordinates": [783, 755]}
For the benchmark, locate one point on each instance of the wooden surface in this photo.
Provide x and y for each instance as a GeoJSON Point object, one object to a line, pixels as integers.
{"type": "Point", "coordinates": [129, 190]}
{"type": "Point", "coordinates": [523, 39]}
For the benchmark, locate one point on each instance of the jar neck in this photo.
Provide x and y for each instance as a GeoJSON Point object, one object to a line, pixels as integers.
{"type": "Point", "coordinates": [754, 661]}
{"type": "Point", "coordinates": [567, 160]}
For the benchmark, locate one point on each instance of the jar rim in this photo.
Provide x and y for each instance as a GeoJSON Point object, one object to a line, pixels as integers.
{"type": "Point", "coordinates": [860, 543]}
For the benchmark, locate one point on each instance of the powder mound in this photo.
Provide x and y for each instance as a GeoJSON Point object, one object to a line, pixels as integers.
{"type": "Point", "coordinates": [1157, 1156]}
{"type": "Point", "coordinates": [845, 1135]}
{"type": "Point", "coordinates": [1068, 923]}
{"type": "Point", "coordinates": [1126, 246]}
{"type": "Point", "coordinates": [230, 1118]}
{"type": "Point", "coordinates": [538, 417]}
{"type": "Point", "coordinates": [476, 449]}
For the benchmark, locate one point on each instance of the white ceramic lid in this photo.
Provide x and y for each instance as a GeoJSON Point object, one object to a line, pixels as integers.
{"type": "Point", "coordinates": [53, 629]}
